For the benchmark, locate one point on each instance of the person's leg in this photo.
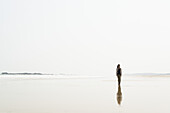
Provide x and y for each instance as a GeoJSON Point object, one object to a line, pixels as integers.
{"type": "Point", "coordinates": [119, 79]}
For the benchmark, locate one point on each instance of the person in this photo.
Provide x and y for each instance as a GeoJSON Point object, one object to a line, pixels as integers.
{"type": "Point", "coordinates": [119, 73]}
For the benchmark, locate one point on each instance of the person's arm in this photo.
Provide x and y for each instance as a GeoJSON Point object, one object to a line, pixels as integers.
{"type": "Point", "coordinates": [120, 71]}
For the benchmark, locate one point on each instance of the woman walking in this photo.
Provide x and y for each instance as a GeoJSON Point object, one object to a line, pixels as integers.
{"type": "Point", "coordinates": [119, 73]}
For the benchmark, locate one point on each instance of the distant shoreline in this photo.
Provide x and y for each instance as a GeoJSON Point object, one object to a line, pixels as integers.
{"type": "Point", "coordinates": [29, 73]}
{"type": "Point", "coordinates": [6, 73]}
{"type": "Point", "coordinates": [128, 74]}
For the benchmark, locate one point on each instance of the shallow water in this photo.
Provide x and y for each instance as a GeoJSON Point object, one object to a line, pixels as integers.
{"type": "Point", "coordinates": [77, 94]}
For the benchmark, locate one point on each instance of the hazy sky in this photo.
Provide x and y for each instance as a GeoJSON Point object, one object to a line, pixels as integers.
{"type": "Point", "coordinates": [84, 36]}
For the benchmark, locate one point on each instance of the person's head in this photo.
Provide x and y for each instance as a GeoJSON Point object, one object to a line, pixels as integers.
{"type": "Point", "coordinates": [118, 66]}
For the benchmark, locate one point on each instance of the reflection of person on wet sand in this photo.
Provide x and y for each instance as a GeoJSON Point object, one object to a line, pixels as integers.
{"type": "Point", "coordinates": [119, 95]}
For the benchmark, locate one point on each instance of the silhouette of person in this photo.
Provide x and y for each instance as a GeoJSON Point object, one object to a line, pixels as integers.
{"type": "Point", "coordinates": [119, 95]}
{"type": "Point", "coordinates": [119, 73]}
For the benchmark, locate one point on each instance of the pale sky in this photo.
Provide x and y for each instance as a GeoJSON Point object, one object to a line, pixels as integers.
{"type": "Point", "coordinates": [85, 36]}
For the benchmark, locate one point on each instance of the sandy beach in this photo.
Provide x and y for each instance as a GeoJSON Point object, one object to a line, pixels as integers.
{"type": "Point", "coordinates": [86, 94]}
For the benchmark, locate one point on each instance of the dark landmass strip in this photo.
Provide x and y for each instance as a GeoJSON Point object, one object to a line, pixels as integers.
{"type": "Point", "coordinates": [6, 73]}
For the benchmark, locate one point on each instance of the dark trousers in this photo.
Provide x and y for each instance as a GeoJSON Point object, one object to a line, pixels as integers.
{"type": "Point", "coordinates": [119, 79]}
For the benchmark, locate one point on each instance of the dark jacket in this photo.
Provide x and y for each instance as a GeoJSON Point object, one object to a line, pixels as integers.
{"type": "Point", "coordinates": [118, 71]}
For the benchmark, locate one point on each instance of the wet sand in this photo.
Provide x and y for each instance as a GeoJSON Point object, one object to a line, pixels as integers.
{"type": "Point", "coordinates": [53, 94]}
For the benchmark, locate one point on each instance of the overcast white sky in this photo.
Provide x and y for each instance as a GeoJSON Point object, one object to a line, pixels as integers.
{"type": "Point", "coordinates": [85, 36]}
